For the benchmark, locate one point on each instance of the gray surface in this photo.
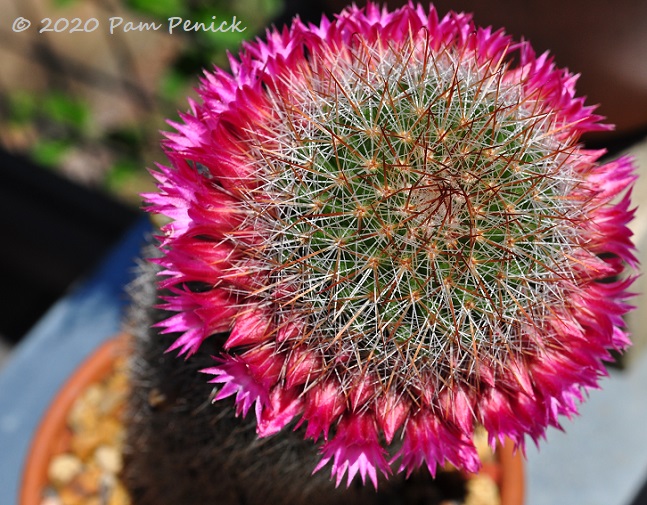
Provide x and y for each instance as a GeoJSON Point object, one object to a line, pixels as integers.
{"type": "Point", "coordinates": [44, 359]}
{"type": "Point", "coordinates": [601, 458]}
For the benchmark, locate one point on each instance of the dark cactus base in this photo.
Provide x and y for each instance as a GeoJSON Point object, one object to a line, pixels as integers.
{"type": "Point", "coordinates": [183, 450]}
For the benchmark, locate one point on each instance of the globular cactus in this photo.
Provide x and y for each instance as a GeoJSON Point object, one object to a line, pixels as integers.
{"type": "Point", "coordinates": [392, 219]}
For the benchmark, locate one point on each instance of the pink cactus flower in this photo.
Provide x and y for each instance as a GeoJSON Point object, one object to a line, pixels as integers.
{"type": "Point", "coordinates": [394, 219]}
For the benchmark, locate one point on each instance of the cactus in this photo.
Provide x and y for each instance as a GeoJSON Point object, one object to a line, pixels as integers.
{"type": "Point", "coordinates": [182, 449]}
{"type": "Point", "coordinates": [386, 231]}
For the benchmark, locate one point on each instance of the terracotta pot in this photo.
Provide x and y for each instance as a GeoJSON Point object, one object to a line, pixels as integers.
{"type": "Point", "coordinates": [53, 435]}
{"type": "Point", "coordinates": [508, 473]}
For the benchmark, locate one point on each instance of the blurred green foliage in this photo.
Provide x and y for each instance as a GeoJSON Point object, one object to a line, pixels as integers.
{"type": "Point", "coordinates": [57, 123]}
{"type": "Point", "coordinates": [65, 110]}
{"type": "Point", "coordinates": [22, 107]}
{"type": "Point", "coordinates": [60, 120]}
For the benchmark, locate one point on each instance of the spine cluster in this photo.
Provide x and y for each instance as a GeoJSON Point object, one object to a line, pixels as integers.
{"type": "Point", "coordinates": [417, 209]}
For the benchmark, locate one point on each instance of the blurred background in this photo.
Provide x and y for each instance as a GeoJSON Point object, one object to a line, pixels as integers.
{"type": "Point", "coordinates": [80, 121]}
{"type": "Point", "coordinates": [81, 114]}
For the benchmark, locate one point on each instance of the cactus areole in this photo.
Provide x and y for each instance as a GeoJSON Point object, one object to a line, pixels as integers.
{"type": "Point", "coordinates": [393, 219]}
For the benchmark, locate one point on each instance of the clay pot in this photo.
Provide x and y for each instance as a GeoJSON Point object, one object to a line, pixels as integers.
{"type": "Point", "coordinates": [53, 435]}
{"type": "Point", "coordinates": [508, 473]}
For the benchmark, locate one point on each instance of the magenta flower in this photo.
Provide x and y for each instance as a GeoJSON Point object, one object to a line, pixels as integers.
{"type": "Point", "coordinates": [393, 218]}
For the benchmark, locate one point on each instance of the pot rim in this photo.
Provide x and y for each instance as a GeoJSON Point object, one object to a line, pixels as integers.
{"type": "Point", "coordinates": [52, 427]}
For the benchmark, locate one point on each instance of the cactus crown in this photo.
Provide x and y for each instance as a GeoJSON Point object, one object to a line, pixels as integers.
{"type": "Point", "coordinates": [392, 217]}
{"type": "Point", "coordinates": [415, 210]}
